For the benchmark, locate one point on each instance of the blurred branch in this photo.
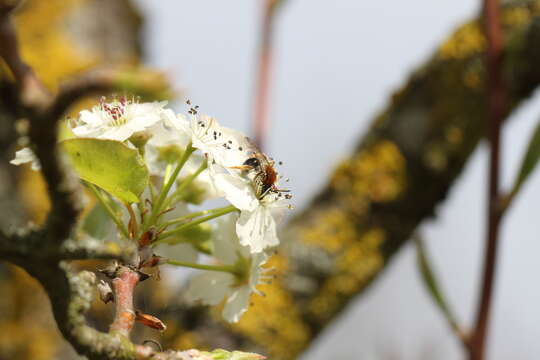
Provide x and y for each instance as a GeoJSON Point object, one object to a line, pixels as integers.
{"type": "Point", "coordinates": [496, 95]}
{"type": "Point", "coordinates": [399, 173]}
{"type": "Point", "coordinates": [31, 89]}
{"type": "Point", "coordinates": [262, 84]}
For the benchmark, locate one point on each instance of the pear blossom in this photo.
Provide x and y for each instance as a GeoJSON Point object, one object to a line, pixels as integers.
{"type": "Point", "coordinates": [222, 145]}
{"type": "Point", "coordinates": [170, 130]}
{"type": "Point", "coordinates": [256, 227]}
{"type": "Point", "coordinates": [26, 155]}
{"type": "Point", "coordinates": [213, 287]}
{"type": "Point", "coordinates": [118, 120]}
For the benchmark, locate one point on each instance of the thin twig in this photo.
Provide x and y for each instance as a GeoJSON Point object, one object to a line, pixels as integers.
{"type": "Point", "coordinates": [262, 85]}
{"type": "Point", "coordinates": [496, 107]}
{"type": "Point", "coordinates": [124, 287]}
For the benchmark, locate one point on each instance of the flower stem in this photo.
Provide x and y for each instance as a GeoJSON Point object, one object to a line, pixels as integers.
{"type": "Point", "coordinates": [187, 181]}
{"type": "Point", "coordinates": [179, 229]}
{"type": "Point", "coordinates": [195, 214]}
{"type": "Point", "coordinates": [168, 182]}
{"type": "Point", "coordinates": [223, 268]}
{"type": "Point", "coordinates": [112, 214]}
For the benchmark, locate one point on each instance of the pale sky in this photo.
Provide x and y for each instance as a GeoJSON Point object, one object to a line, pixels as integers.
{"type": "Point", "coordinates": [336, 63]}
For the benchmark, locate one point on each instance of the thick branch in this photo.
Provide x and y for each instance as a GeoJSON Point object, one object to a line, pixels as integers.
{"type": "Point", "coordinates": [400, 171]}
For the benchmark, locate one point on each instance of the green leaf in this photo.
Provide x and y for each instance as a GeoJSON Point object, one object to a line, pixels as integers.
{"type": "Point", "coordinates": [97, 223]}
{"type": "Point", "coordinates": [221, 354]}
{"type": "Point", "coordinates": [109, 164]}
{"type": "Point", "coordinates": [432, 285]}
{"type": "Point", "coordinates": [529, 162]}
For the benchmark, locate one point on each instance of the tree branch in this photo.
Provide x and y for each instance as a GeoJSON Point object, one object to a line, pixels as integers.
{"type": "Point", "coordinates": [495, 115]}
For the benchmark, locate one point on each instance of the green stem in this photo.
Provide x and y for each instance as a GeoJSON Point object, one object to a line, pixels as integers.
{"type": "Point", "coordinates": [168, 182]}
{"type": "Point", "coordinates": [109, 209]}
{"type": "Point", "coordinates": [188, 180]}
{"type": "Point", "coordinates": [195, 214]}
{"type": "Point", "coordinates": [223, 268]}
{"type": "Point", "coordinates": [179, 229]}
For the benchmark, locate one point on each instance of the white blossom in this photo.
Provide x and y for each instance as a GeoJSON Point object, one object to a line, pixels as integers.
{"type": "Point", "coordinates": [257, 225]}
{"type": "Point", "coordinates": [26, 155]}
{"type": "Point", "coordinates": [212, 287]}
{"type": "Point", "coordinates": [171, 130]}
{"type": "Point", "coordinates": [118, 120]}
{"type": "Point", "coordinates": [221, 145]}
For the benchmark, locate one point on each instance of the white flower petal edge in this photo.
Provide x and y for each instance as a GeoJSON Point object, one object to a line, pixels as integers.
{"type": "Point", "coordinates": [238, 191]}
{"type": "Point", "coordinates": [210, 287]}
{"type": "Point", "coordinates": [117, 120]}
{"type": "Point", "coordinates": [257, 227]}
{"type": "Point", "coordinates": [171, 130]}
{"type": "Point", "coordinates": [26, 155]}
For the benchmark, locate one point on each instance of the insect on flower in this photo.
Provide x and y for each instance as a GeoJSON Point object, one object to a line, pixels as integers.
{"type": "Point", "coordinates": [260, 169]}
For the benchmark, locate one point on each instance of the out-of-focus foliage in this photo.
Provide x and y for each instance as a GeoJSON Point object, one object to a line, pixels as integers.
{"type": "Point", "coordinates": [529, 162]}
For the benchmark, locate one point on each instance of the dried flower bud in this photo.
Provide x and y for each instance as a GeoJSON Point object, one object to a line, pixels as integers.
{"type": "Point", "coordinates": [105, 292]}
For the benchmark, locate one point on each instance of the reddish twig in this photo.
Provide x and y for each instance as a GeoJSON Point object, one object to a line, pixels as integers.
{"type": "Point", "coordinates": [124, 287]}
{"type": "Point", "coordinates": [262, 85]}
{"type": "Point", "coordinates": [496, 107]}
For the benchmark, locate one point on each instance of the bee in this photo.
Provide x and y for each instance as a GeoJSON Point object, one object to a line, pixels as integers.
{"type": "Point", "coordinates": [260, 169]}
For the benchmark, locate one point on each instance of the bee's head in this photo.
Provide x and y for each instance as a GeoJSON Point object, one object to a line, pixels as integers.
{"type": "Point", "coordinates": [252, 162]}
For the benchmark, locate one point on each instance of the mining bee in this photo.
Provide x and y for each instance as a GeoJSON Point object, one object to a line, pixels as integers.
{"type": "Point", "coordinates": [260, 169]}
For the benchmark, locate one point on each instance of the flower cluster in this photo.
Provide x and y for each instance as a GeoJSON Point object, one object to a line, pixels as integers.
{"type": "Point", "coordinates": [186, 160]}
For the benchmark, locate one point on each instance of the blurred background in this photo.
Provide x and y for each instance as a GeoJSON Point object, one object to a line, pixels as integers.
{"type": "Point", "coordinates": [335, 65]}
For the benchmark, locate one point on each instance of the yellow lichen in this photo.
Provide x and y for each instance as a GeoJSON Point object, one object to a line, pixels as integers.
{"type": "Point", "coordinates": [354, 268]}
{"type": "Point", "coordinates": [515, 16]}
{"type": "Point", "coordinates": [273, 320]}
{"type": "Point", "coordinates": [376, 173]}
{"type": "Point", "coordinates": [472, 79]}
{"type": "Point", "coordinates": [330, 230]}
{"type": "Point", "coordinates": [467, 40]}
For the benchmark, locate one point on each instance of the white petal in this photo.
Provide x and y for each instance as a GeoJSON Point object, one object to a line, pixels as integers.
{"type": "Point", "coordinates": [90, 118]}
{"type": "Point", "coordinates": [238, 191]}
{"type": "Point", "coordinates": [226, 245]}
{"type": "Point", "coordinates": [119, 133]}
{"type": "Point", "coordinates": [26, 155]}
{"type": "Point", "coordinates": [87, 131]}
{"type": "Point", "coordinates": [237, 304]}
{"type": "Point", "coordinates": [257, 229]}
{"type": "Point", "coordinates": [210, 287]}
